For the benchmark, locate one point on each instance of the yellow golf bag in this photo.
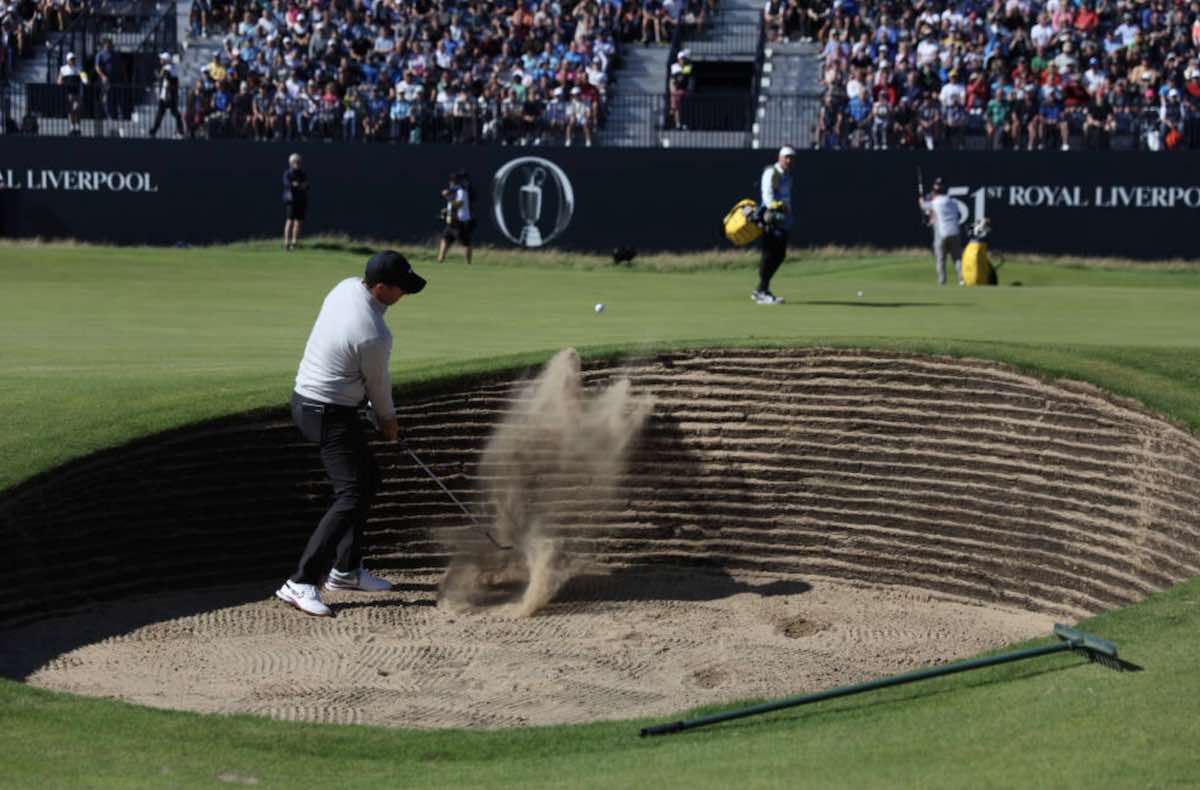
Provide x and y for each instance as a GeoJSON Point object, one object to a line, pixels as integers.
{"type": "Point", "coordinates": [740, 227]}
{"type": "Point", "coordinates": [977, 267]}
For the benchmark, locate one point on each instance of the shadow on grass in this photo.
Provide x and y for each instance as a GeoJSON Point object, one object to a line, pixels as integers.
{"type": "Point", "coordinates": [338, 246]}
{"type": "Point", "coordinates": [835, 303]}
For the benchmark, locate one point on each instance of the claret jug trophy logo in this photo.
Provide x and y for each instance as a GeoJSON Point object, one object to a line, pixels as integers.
{"type": "Point", "coordinates": [533, 201]}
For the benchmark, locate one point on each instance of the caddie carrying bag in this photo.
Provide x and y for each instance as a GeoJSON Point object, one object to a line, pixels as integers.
{"type": "Point", "coordinates": [740, 227]}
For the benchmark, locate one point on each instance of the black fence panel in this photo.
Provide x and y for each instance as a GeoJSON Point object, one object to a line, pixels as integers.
{"type": "Point", "coordinates": [1139, 205]}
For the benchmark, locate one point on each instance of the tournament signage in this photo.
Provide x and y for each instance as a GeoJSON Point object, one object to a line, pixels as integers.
{"type": "Point", "coordinates": [973, 201]}
{"type": "Point", "coordinates": [532, 201]}
{"type": "Point", "coordinates": [1129, 204]}
{"type": "Point", "coordinates": [78, 180]}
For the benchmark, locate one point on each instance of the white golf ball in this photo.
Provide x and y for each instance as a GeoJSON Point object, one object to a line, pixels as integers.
{"type": "Point", "coordinates": [860, 293]}
{"type": "Point", "coordinates": [600, 307]}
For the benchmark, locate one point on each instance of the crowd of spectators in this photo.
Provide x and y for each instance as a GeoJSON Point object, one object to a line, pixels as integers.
{"type": "Point", "coordinates": [408, 70]}
{"type": "Point", "coordinates": [1018, 74]}
{"type": "Point", "coordinates": [24, 23]}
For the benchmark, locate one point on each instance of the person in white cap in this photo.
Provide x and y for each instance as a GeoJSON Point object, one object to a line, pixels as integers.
{"type": "Point", "coordinates": [679, 85]}
{"type": "Point", "coordinates": [69, 70]}
{"type": "Point", "coordinates": [168, 94]}
{"type": "Point", "coordinates": [1172, 119]}
{"type": "Point", "coordinates": [579, 114]}
{"type": "Point", "coordinates": [71, 78]}
{"type": "Point", "coordinates": [776, 208]}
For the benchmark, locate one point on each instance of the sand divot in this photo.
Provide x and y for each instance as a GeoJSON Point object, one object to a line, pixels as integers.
{"type": "Point", "coordinates": [557, 453]}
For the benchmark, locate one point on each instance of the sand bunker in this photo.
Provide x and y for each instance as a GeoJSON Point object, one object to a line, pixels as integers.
{"type": "Point", "coordinates": [694, 527]}
{"type": "Point", "coordinates": [556, 451]}
{"type": "Point", "coordinates": [612, 646]}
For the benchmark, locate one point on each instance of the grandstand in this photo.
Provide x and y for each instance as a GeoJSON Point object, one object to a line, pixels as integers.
{"type": "Point", "coordinates": [544, 74]}
{"type": "Point", "coordinates": [846, 74]}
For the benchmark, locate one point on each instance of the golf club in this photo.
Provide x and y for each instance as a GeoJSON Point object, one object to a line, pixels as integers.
{"type": "Point", "coordinates": [475, 521]}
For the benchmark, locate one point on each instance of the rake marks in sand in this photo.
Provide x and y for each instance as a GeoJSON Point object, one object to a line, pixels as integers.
{"type": "Point", "coordinates": [787, 521]}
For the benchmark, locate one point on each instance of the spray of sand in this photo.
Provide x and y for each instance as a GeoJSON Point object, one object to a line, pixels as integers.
{"type": "Point", "coordinates": [554, 462]}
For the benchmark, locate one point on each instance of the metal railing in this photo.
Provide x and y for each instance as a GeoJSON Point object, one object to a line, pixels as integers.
{"type": "Point", "coordinates": [89, 27]}
{"type": "Point", "coordinates": [645, 120]}
{"type": "Point", "coordinates": [163, 36]}
{"type": "Point", "coordinates": [733, 39]}
{"type": "Point", "coordinates": [93, 110]}
{"type": "Point", "coordinates": [723, 112]}
{"type": "Point", "coordinates": [129, 110]}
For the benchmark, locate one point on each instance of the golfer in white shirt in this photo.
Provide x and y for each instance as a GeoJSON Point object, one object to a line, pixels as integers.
{"type": "Point", "coordinates": [944, 219]}
{"type": "Point", "coordinates": [345, 365]}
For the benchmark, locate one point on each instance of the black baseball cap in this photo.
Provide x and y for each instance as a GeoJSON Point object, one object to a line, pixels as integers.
{"type": "Point", "coordinates": [392, 268]}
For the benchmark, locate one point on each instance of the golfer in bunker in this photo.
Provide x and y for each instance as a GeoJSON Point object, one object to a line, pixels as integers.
{"type": "Point", "coordinates": [345, 365]}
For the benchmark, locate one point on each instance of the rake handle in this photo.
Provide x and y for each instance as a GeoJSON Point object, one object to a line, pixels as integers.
{"type": "Point", "coordinates": [896, 680]}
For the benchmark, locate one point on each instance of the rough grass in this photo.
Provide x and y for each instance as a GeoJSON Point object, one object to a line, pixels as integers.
{"type": "Point", "coordinates": [722, 258]}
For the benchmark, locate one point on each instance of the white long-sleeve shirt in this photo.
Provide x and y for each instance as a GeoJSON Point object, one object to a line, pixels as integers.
{"type": "Point", "coordinates": [777, 186]}
{"type": "Point", "coordinates": [346, 358]}
{"type": "Point", "coordinates": [944, 213]}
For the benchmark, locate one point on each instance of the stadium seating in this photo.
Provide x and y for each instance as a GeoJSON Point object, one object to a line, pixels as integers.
{"type": "Point", "coordinates": [1005, 74]}
{"type": "Point", "coordinates": [924, 74]}
{"type": "Point", "coordinates": [407, 72]}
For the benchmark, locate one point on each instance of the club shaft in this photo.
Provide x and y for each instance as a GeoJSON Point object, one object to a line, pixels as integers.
{"type": "Point", "coordinates": [438, 480]}
{"type": "Point", "coordinates": [449, 493]}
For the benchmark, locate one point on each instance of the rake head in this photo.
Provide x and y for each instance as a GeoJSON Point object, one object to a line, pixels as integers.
{"type": "Point", "coordinates": [1094, 649]}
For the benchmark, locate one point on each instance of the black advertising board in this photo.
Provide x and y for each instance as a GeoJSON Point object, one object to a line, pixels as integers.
{"type": "Point", "coordinates": [1127, 204]}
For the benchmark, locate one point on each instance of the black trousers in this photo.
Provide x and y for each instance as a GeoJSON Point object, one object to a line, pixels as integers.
{"type": "Point", "coordinates": [350, 466]}
{"type": "Point", "coordinates": [774, 250]}
{"type": "Point", "coordinates": [165, 107]}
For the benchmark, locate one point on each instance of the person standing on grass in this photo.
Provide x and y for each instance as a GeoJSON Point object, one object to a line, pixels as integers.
{"type": "Point", "coordinates": [776, 208]}
{"type": "Point", "coordinates": [460, 222]}
{"type": "Point", "coordinates": [943, 218]}
{"type": "Point", "coordinates": [345, 365]}
{"type": "Point", "coordinates": [295, 198]}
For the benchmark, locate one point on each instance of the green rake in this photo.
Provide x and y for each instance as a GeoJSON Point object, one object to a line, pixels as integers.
{"type": "Point", "coordinates": [1092, 648]}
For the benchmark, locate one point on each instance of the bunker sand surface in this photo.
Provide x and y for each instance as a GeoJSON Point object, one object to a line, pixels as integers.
{"type": "Point", "coordinates": [612, 647]}
{"type": "Point", "coordinates": [787, 521]}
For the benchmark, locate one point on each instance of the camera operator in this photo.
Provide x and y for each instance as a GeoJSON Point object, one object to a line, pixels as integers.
{"type": "Point", "coordinates": [460, 198]}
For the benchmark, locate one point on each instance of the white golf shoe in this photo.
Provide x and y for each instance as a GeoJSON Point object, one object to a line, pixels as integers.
{"type": "Point", "coordinates": [359, 581]}
{"type": "Point", "coordinates": [304, 597]}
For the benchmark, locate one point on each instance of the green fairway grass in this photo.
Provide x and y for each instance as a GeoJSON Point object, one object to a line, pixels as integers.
{"type": "Point", "coordinates": [103, 345]}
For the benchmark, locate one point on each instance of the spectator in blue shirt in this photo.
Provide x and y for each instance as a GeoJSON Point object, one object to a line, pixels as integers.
{"type": "Point", "coordinates": [1052, 116]}
{"type": "Point", "coordinates": [858, 111]}
{"type": "Point", "coordinates": [375, 126]}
